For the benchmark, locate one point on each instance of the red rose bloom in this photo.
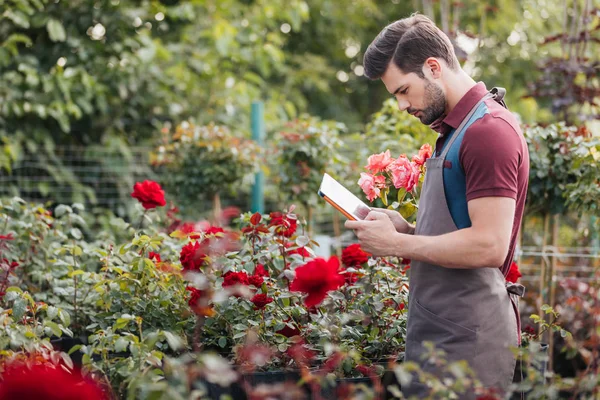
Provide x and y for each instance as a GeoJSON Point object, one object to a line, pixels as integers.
{"type": "Point", "coordinates": [513, 273]}
{"type": "Point", "coordinates": [195, 296]}
{"type": "Point", "coordinates": [354, 256]}
{"type": "Point", "coordinates": [154, 256]}
{"type": "Point", "coordinates": [150, 194]}
{"type": "Point", "coordinates": [235, 278]}
{"type": "Point", "coordinates": [261, 271]}
{"type": "Point", "coordinates": [301, 251]}
{"type": "Point", "coordinates": [213, 230]}
{"type": "Point", "coordinates": [288, 331]}
{"type": "Point", "coordinates": [193, 256]}
{"type": "Point", "coordinates": [256, 280]}
{"type": "Point", "coordinates": [189, 229]}
{"type": "Point", "coordinates": [46, 381]}
{"type": "Point", "coordinates": [350, 277]}
{"type": "Point", "coordinates": [261, 300]}
{"type": "Point", "coordinates": [284, 224]}
{"type": "Point", "coordinates": [316, 278]}
{"type": "Point", "coordinates": [199, 302]}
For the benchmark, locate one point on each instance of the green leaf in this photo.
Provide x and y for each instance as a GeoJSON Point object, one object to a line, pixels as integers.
{"type": "Point", "coordinates": [19, 308]}
{"type": "Point", "coordinates": [56, 31]}
{"type": "Point", "coordinates": [383, 195]}
{"type": "Point", "coordinates": [121, 344]}
{"type": "Point", "coordinates": [53, 327]}
{"type": "Point", "coordinates": [65, 317]}
{"type": "Point", "coordinates": [76, 233]}
{"type": "Point", "coordinates": [175, 342]}
{"type": "Point", "coordinates": [222, 342]}
{"type": "Point", "coordinates": [51, 312]}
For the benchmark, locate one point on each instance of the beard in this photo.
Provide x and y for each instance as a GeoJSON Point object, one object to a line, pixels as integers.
{"type": "Point", "coordinates": [436, 104]}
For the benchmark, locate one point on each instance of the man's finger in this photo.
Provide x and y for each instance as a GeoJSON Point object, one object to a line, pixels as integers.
{"type": "Point", "coordinates": [375, 215]}
{"type": "Point", "coordinates": [352, 224]}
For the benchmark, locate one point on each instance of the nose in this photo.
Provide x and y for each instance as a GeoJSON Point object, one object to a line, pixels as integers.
{"type": "Point", "coordinates": [403, 104]}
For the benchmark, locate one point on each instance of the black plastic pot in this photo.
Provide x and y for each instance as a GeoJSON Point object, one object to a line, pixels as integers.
{"type": "Point", "coordinates": [66, 343]}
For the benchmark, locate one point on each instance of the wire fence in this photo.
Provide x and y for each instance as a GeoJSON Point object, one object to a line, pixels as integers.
{"type": "Point", "coordinates": [104, 176]}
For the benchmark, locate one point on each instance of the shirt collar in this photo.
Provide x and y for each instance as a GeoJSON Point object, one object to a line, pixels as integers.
{"type": "Point", "coordinates": [451, 121]}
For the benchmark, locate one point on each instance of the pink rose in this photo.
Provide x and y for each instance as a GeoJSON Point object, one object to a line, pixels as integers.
{"type": "Point", "coordinates": [425, 152]}
{"type": "Point", "coordinates": [371, 185]}
{"type": "Point", "coordinates": [404, 173]}
{"type": "Point", "coordinates": [379, 162]}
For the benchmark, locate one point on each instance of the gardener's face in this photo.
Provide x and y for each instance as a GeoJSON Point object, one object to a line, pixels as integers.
{"type": "Point", "coordinates": [422, 98]}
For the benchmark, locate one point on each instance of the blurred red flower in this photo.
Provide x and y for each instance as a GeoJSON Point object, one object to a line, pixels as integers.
{"type": "Point", "coordinates": [193, 256]}
{"type": "Point", "coordinates": [513, 273]}
{"type": "Point", "coordinates": [285, 224]}
{"type": "Point", "coordinates": [232, 278]}
{"type": "Point", "coordinates": [149, 193]}
{"type": "Point", "coordinates": [354, 256]}
{"type": "Point", "coordinates": [316, 278]}
{"type": "Point", "coordinates": [46, 381]}
{"type": "Point", "coordinates": [154, 256]}
{"type": "Point", "coordinates": [256, 280]}
{"type": "Point", "coordinates": [288, 331]}
{"type": "Point", "coordinates": [260, 300]}
{"type": "Point", "coordinates": [261, 271]}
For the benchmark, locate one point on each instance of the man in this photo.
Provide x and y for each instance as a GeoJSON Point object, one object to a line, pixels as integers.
{"type": "Point", "coordinates": [470, 208]}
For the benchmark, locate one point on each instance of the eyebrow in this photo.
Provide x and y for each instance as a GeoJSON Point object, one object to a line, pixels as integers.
{"type": "Point", "coordinates": [397, 90]}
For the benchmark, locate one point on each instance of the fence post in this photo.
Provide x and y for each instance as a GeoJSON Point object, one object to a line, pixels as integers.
{"type": "Point", "coordinates": [258, 135]}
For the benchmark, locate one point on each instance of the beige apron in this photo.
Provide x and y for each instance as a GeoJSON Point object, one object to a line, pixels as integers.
{"type": "Point", "coordinates": [468, 313]}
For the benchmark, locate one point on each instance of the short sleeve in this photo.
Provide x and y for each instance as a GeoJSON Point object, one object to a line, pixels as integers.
{"type": "Point", "coordinates": [490, 154]}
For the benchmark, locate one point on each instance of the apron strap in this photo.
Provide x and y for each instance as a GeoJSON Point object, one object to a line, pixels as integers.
{"type": "Point", "coordinates": [464, 122]}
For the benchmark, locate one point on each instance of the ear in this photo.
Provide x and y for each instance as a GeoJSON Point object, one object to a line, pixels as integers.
{"type": "Point", "coordinates": [433, 67]}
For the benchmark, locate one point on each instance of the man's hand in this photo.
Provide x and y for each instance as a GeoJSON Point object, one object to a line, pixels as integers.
{"type": "Point", "coordinates": [376, 234]}
{"type": "Point", "coordinates": [399, 222]}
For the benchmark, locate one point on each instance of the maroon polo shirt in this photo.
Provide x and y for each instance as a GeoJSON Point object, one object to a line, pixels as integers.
{"type": "Point", "coordinates": [493, 155]}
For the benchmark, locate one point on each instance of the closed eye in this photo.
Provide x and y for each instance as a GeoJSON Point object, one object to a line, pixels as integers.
{"type": "Point", "coordinates": [404, 91]}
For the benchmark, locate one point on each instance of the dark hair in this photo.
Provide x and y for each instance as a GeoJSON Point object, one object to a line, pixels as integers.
{"type": "Point", "coordinates": [408, 42]}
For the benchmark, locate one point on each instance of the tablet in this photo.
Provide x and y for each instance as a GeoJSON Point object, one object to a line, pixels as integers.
{"type": "Point", "coordinates": [342, 199]}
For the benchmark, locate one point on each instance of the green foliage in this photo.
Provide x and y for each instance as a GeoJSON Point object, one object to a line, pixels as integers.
{"type": "Point", "coordinates": [305, 149]}
{"type": "Point", "coordinates": [198, 162]}
{"type": "Point", "coordinates": [562, 173]}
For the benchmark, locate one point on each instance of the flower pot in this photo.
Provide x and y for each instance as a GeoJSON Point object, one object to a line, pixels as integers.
{"type": "Point", "coordinates": [66, 343]}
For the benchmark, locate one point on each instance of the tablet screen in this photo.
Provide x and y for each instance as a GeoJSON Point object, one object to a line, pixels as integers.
{"type": "Point", "coordinates": [344, 198]}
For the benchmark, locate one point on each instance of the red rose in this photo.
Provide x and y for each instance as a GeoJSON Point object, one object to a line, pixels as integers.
{"type": "Point", "coordinates": [195, 296]}
{"type": "Point", "coordinates": [261, 300]}
{"type": "Point", "coordinates": [154, 256]}
{"type": "Point", "coordinates": [261, 271]}
{"type": "Point", "coordinates": [189, 228]}
{"type": "Point", "coordinates": [150, 194]}
{"type": "Point", "coordinates": [256, 280]}
{"type": "Point", "coordinates": [288, 331]}
{"type": "Point", "coordinates": [350, 277]}
{"type": "Point", "coordinates": [193, 256]}
{"type": "Point", "coordinates": [199, 302]}
{"type": "Point", "coordinates": [301, 251]}
{"type": "Point", "coordinates": [235, 278]}
{"type": "Point", "coordinates": [46, 381]}
{"type": "Point", "coordinates": [316, 278]}
{"type": "Point", "coordinates": [354, 256]}
{"type": "Point", "coordinates": [285, 225]}
{"type": "Point", "coordinates": [214, 230]}
{"type": "Point", "coordinates": [513, 273]}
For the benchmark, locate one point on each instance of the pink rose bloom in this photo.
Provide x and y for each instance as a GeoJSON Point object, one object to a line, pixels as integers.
{"type": "Point", "coordinates": [379, 162]}
{"type": "Point", "coordinates": [425, 152]}
{"type": "Point", "coordinates": [404, 173]}
{"type": "Point", "coordinates": [371, 185]}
